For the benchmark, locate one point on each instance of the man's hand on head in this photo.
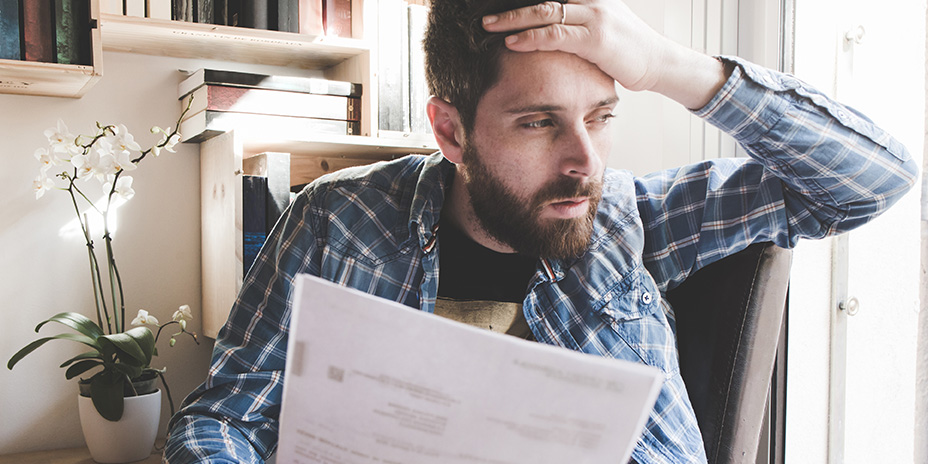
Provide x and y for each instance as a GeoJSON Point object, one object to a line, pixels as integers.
{"type": "Point", "coordinates": [607, 34]}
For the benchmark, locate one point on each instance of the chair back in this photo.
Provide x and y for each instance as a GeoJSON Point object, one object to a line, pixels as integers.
{"type": "Point", "coordinates": [728, 318]}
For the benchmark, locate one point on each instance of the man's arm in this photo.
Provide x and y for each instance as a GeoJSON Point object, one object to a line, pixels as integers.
{"type": "Point", "coordinates": [233, 417]}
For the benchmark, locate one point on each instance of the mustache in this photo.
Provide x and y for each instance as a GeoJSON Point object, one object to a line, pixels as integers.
{"type": "Point", "coordinates": [567, 187]}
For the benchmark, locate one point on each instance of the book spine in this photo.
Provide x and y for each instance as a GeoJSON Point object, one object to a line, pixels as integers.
{"type": "Point", "coordinates": [254, 14]}
{"type": "Point", "coordinates": [65, 37]}
{"type": "Point", "coordinates": [337, 18]}
{"type": "Point", "coordinates": [135, 8]}
{"type": "Point", "coordinates": [205, 11]}
{"type": "Point", "coordinates": [108, 6]}
{"type": "Point", "coordinates": [38, 33]}
{"type": "Point", "coordinates": [288, 15]}
{"type": "Point", "coordinates": [254, 227]}
{"type": "Point", "coordinates": [158, 9]}
{"type": "Point", "coordinates": [278, 187]}
{"type": "Point", "coordinates": [274, 102]}
{"type": "Point", "coordinates": [311, 17]}
{"type": "Point", "coordinates": [418, 87]}
{"type": "Point", "coordinates": [208, 124]}
{"type": "Point", "coordinates": [10, 33]}
{"type": "Point", "coordinates": [262, 81]}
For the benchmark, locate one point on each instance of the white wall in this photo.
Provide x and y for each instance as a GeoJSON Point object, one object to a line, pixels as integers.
{"type": "Point", "coordinates": [157, 244]}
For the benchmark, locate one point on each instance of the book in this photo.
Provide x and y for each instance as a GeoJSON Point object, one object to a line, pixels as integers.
{"type": "Point", "coordinates": [10, 42]}
{"type": "Point", "coordinates": [418, 86]}
{"type": "Point", "coordinates": [254, 14]}
{"type": "Point", "coordinates": [72, 31]}
{"type": "Point", "coordinates": [311, 17]}
{"type": "Point", "coordinates": [208, 124]}
{"type": "Point", "coordinates": [254, 227]}
{"type": "Point", "coordinates": [314, 85]}
{"type": "Point", "coordinates": [336, 19]}
{"type": "Point", "coordinates": [234, 12]}
{"type": "Point", "coordinates": [205, 9]}
{"type": "Point", "coordinates": [275, 167]}
{"type": "Point", "coordinates": [158, 9]}
{"type": "Point", "coordinates": [38, 31]}
{"type": "Point", "coordinates": [288, 16]}
{"type": "Point", "coordinates": [135, 8]}
{"type": "Point", "coordinates": [393, 82]}
{"type": "Point", "coordinates": [277, 102]}
{"type": "Point", "coordinates": [110, 6]}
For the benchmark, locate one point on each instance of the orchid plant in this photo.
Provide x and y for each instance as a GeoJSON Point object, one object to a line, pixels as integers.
{"type": "Point", "coordinates": [122, 353]}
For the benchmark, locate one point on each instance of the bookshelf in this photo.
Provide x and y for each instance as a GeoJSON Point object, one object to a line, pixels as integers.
{"type": "Point", "coordinates": [353, 59]}
{"type": "Point", "coordinates": [53, 79]}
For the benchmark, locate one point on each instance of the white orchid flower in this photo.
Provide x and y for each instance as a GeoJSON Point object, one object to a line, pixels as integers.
{"type": "Point", "coordinates": [61, 140]}
{"type": "Point", "coordinates": [123, 141]}
{"type": "Point", "coordinates": [144, 318]}
{"type": "Point", "coordinates": [41, 184]}
{"type": "Point", "coordinates": [105, 166]}
{"type": "Point", "coordinates": [183, 312]}
{"type": "Point", "coordinates": [167, 142]}
{"type": "Point", "coordinates": [123, 161]}
{"type": "Point", "coordinates": [86, 164]}
{"type": "Point", "coordinates": [45, 158]}
{"type": "Point", "coordinates": [123, 188]}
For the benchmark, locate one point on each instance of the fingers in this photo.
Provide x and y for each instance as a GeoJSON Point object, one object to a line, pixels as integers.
{"type": "Point", "coordinates": [553, 37]}
{"type": "Point", "coordinates": [540, 15]}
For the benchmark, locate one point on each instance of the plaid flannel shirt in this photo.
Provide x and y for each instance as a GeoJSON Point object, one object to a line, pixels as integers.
{"type": "Point", "coordinates": [817, 168]}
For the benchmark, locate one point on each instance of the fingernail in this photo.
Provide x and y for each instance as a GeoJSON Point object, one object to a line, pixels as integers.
{"type": "Point", "coordinates": [490, 19]}
{"type": "Point", "coordinates": [512, 39]}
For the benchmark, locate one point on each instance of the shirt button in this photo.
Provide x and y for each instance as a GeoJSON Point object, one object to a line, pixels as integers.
{"type": "Point", "coordinates": [646, 298]}
{"type": "Point", "coordinates": [608, 297]}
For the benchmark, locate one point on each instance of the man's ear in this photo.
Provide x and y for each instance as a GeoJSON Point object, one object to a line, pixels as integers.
{"type": "Point", "coordinates": [447, 127]}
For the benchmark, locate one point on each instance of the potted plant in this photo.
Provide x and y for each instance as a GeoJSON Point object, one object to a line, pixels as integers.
{"type": "Point", "coordinates": [120, 380]}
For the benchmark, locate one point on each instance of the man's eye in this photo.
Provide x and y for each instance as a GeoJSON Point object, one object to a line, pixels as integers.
{"type": "Point", "coordinates": [604, 118]}
{"type": "Point", "coordinates": [538, 124]}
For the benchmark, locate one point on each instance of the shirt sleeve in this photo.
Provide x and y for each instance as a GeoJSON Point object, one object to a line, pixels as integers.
{"type": "Point", "coordinates": [816, 168]}
{"type": "Point", "coordinates": [233, 416]}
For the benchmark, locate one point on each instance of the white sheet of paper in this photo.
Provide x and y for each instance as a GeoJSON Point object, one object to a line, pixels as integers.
{"type": "Point", "coordinates": [371, 381]}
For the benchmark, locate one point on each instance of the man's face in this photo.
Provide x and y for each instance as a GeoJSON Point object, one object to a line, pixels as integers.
{"type": "Point", "coordinates": [533, 164]}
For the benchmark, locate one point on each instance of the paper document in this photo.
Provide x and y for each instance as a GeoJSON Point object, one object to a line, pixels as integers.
{"type": "Point", "coordinates": [372, 381]}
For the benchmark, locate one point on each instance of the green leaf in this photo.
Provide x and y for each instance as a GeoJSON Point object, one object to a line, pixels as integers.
{"type": "Point", "coordinates": [81, 367]}
{"type": "Point", "coordinates": [82, 356]}
{"type": "Point", "coordinates": [130, 370]}
{"type": "Point", "coordinates": [76, 321]}
{"type": "Point", "coordinates": [135, 344]}
{"type": "Point", "coordinates": [106, 393]}
{"type": "Point", "coordinates": [65, 336]}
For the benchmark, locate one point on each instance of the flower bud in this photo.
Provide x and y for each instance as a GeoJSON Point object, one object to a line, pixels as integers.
{"type": "Point", "coordinates": [172, 342]}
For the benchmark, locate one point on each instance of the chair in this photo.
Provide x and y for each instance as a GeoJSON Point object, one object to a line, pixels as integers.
{"type": "Point", "coordinates": [728, 318]}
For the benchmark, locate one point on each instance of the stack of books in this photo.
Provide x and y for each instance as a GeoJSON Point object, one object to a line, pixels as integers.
{"type": "Point", "coordinates": [50, 31]}
{"type": "Point", "coordinates": [229, 100]}
{"type": "Point", "coordinates": [314, 17]}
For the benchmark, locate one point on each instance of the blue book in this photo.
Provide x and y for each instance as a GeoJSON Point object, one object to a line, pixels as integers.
{"type": "Point", "coordinates": [10, 42]}
{"type": "Point", "coordinates": [254, 218]}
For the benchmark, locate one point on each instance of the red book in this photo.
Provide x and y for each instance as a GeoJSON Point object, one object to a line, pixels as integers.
{"type": "Point", "coordinates": [337, 14]}
{"type": "Point", "coordinates": [38, 31]}
{"type": "Point", "coordinates": [311, 17]}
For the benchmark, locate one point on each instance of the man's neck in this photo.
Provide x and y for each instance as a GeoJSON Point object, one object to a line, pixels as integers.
{"type": "Point", "coordinates": [459, 210]}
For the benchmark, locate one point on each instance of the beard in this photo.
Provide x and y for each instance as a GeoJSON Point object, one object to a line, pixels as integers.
{"type": "Point", "coordinates": [517, 222]}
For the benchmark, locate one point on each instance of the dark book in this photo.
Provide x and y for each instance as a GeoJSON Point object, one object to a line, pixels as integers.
{"type": "Point", "coordinates": [205, 11]}
{"type": "Point", "coordinates": [254, 14]}
{"type": "Point", "coordinates": [221, 12]}
{"type": "Point", "coordinates": [10, 41]}
{"type": "Point", "coordinates": [275, 167]}
{"type": "Point", "coordinates": [208, 124]}
{"type": "Point", "coordinates": [254, 224]}
{"type": "Point", "coordinates": [38, 31]}
{"type": "Point", "coordinates": [288, 15]}
{"type": "Point", "coordinates": [337, 18]}
{"type": "Point", "coordinates": [311, 17]}
{"type": "Point", "coordinates": [277, 102]}
{"type": "Point", "coordinates": [234, 12]}
{"type": "Point", "coordinates": [418, 86]}
{"type": "Point", "coordinates": [314, 85]}
{"type": "Point", "coordinates": [393, 76]}
{"type": "Point", "coordinates": [72, 31]}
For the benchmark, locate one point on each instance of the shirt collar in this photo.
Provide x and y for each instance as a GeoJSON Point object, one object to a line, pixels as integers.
{"type": "Point", "coordinates": [428, 199]}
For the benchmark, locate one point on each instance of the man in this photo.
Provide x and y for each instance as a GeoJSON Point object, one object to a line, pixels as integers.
{"type": "Point", "coordinates": [522, 103]}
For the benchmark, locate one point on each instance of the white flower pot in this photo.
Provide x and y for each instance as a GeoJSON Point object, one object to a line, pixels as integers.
{"type": "Point", "coordinates": [129, 439]}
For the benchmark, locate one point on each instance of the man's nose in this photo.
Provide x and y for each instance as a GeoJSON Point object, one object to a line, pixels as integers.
{"type": "Point", "coordinates": [579, 157]}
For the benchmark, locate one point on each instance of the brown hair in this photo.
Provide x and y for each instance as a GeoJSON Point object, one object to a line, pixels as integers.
{"type": "Point", "coordinates": [461, 58]}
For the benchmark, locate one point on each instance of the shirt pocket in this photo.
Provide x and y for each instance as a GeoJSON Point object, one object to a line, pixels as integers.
{"type": "Point", "coordinates": [633, 311]}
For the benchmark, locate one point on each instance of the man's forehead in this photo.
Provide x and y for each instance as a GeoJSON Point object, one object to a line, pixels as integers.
{"type": "Point", "coordinates": [549, 81]}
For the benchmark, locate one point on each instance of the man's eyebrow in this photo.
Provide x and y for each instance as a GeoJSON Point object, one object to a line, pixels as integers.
{"type": "Point", "coordinates": [542, 108]}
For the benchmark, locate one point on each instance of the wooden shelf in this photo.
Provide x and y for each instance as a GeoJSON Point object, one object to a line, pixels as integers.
{"type": "Point", "coordinates": [349, 146]}
{"type": "Point", "coordinates": [209, 41]}
{"type": "Point", "coordinates": [46, 79]}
